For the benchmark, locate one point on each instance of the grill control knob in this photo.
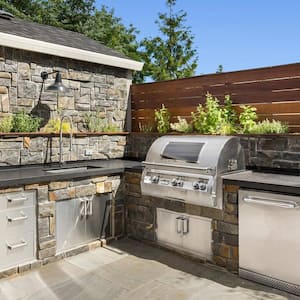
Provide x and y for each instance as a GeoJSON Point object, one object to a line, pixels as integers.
{"type": "Point", "coordinates": [202, 186]}
{"type": "Point", "coordinates": [155, 179]}
{"type": "Point", "coordinates": [174, 182]}
{"type": "Point", "coordinates": [196, 185]}
{"type": "Point", "coordinates": [179, 182]}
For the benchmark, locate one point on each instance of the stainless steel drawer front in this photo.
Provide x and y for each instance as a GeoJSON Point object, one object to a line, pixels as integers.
{"type": "Point", "coordinates": [269, 243]}
{"type": "Point", "coordinates": [17, 249]}
{"type": "Point", "coordinates": [17, 220]}
{"type": "Point", "coordinates": [18, 199]}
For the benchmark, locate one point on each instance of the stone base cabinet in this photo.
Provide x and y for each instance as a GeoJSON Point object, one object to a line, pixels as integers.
{"type": "Point", "coordinates": [28, 220]}
{"type": "Point", "coordinates": [143, 223]}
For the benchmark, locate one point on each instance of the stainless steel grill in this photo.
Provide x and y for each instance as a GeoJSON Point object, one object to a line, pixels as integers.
{"type": "Point", "coordinates": [189, 168]}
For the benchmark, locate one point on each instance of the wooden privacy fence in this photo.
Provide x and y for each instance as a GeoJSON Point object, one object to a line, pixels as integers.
{"type": "Point", "coordinates": [274, 91]}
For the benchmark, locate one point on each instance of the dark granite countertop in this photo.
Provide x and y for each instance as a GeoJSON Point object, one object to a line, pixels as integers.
{"type": "Point", "coordinates": [15, 176]}
{"type": "Point", "coordinates": [287, 184]}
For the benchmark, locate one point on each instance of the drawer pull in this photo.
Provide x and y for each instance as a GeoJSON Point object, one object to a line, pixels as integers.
{"type": "Point", "coordinates": [271, 202]}
{"type": "Point", "coordinates": [23, 217]}
{"type": "Point", "coordinates": [15, 246]}
{"type": "Point", "coordinates": [22, 199]}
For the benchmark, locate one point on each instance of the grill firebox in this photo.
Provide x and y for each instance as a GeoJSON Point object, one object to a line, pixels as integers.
{"type": "Point", "coordinates": [189, 168]}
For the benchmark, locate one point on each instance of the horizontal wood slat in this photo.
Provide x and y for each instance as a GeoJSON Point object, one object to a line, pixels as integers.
{"type": "Point", "coordinates": [275, 91]}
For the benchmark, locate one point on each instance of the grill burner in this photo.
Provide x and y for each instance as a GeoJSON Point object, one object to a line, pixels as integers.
{"type": "Point", "coordinates": [189, 168]}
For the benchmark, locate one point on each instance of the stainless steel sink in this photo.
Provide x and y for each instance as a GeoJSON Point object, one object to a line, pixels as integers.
{"type": "Point", "coordinates": [71, 170]}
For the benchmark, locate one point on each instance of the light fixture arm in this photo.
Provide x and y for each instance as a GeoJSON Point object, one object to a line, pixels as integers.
{"type": "Point", "coordinates": [45, 74]}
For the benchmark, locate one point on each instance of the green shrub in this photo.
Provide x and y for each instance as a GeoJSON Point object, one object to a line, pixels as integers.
{"type": "Point", "coordinates": [162, 118]}
{"type": "Point", "coordinates": [181, 126]}
{"type": "Point", "coordinates": [6, 124]}
{"type": "Point", "coordinates": [266, 126]}
{"type": "Point", "coordinates": [23, 122]}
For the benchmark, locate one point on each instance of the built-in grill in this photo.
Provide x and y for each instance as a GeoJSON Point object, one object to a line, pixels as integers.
{"type": "Point", "coordinates": [189, 168]}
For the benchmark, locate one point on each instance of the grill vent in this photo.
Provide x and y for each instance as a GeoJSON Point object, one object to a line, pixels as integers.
{"type": "Point", "coordinates": [6, 15]}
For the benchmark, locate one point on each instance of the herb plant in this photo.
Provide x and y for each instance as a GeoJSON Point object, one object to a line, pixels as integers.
{"type": "Point", "coordinates": [247, 118]}
{"type": "Point", "coordinates": [6, 124]}
{"type": "Point", "coordinates": [146, 127]}
{"type": "Point", "coordinates": [93, 122]}
{"type": "Point", "coordinates": [54, 126]}
{"type": "Point", "coordinates": [267, 126]}
{"type": "Point", "coordinates": [23, 122]}
{"type": "Point", "coordinates": [162, 118]}
{"type": "Point", "coordinates": [181, 126]}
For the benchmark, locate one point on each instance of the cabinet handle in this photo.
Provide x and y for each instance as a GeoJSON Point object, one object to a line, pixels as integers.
{"type": "Point", "coordinates": [178, 224]}
{"type": "Point", "coordinates": [23, 217]}
{"type": "Point", "coordinates": [89, 210]}
{"type": "Point", "coordinates": [83, 208]}
{"type": "Point", "coordinates": [22, 199]}
{"type": "Point", "coordinates": [20, 245]}
{"type": "Point", "coordinates": [185, 225]}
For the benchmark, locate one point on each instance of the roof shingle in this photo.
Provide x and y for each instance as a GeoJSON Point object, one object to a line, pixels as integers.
{"type": "Point", "coordinates": [55, 35]}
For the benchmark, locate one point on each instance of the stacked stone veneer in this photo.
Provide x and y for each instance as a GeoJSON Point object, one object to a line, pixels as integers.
{"type": "Point", "coordinates": [38, 150]}
{"type": "Point", "coordinates": [141, 219]}
{"type": "Point", "coordinates": [93, 87]}
{"type": "Point", "coordinates": [47, 194]}
{"type": "Point", "coordinates": [275, 151]}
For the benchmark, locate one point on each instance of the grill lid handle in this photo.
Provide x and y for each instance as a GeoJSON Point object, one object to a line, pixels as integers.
{"type": "Point", "coordinates": [177, 166]}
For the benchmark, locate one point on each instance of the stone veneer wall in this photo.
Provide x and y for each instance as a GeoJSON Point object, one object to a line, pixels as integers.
{"type": "Point", "coordinates": [93, 87]}
{"type": "Point", "coordinates": [276, 151]}
{"type": "Point", "coordinates": [141, 219]}
{"type": "Point", "coordinates": [42, 149]}
{"type": "Point", "coordinates": [47, 194]}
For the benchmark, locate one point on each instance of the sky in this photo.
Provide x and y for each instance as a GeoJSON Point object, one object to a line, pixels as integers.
{"type": "Point", "coordinates": [238, 34]}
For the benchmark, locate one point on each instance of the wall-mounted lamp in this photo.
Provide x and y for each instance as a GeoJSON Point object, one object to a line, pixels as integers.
{"type": "Point", "coordinates": [57, 86]}
{"type": "Point", "coordinates": [42, 110]}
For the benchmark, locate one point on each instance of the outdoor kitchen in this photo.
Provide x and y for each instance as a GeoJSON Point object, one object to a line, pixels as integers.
{"type": "Point", "coordinates": [88, 194]}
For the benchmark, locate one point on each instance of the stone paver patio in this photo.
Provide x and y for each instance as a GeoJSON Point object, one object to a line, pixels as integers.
{"type": "Point", "coordinates": [132, 270]}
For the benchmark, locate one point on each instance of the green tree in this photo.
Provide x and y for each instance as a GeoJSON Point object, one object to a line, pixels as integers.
{"type": "Point", "coordinates": [108, 29]}
{"type": "Point", "coordinates": [171, 56]}
{"type": "Point", "coordinates": [220, 69]}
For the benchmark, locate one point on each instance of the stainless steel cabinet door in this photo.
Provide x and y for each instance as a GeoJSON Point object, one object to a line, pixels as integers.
{"type": "Point", "coordinates": [79, 221]}
{"type": "Point", "coordinates": [95, 216]}
{"type": "Point", "coordinates": [197, 239]}
{"type": "Point", "coordinates": [70, 224]}
{"type": "Point", "coordinates": [168, 228]}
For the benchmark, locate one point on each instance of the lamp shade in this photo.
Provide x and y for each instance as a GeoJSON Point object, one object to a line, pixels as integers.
{"type": "Point", "coordinates": [58, 85]}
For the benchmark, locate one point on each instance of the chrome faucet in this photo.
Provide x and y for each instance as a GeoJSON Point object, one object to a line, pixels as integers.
{"type": "Point", "coordinates": [61, 141]}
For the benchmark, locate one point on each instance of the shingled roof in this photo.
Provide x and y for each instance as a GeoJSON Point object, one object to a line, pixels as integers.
{"type": "Point", "coordinates": [58, 37]}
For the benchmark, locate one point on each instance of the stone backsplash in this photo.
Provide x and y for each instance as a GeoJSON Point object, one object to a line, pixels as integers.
{"type": "Point", "coordinates": [271, 151]}
{"type": "Point", "coordinates": [92, 87]}
{"type": "Point", "coordinates": [24, 150]}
